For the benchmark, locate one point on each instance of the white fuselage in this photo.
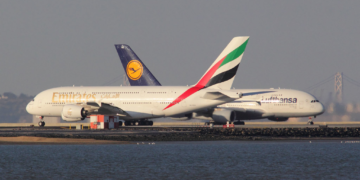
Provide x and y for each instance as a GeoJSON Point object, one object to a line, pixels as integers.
{"type": "Point", "coordinates": [138, 102]}
{"type": "Point", "coordinates": [281, 103]}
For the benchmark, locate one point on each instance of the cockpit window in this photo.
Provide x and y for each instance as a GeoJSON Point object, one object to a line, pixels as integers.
{"type": "Point", "coordinates": [314, 101]}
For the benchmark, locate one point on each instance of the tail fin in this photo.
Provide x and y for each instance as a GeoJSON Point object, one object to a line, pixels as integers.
{"type": "Point", "coordinates": [221, 73]}
{"type": "Point", "coordinates": [137, 73]}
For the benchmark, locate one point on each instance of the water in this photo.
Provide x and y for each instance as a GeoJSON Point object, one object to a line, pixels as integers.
{"type": "Point", "coordinates": [183, 160]}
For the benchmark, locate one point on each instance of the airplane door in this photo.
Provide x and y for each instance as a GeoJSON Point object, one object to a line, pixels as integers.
{"type": "Point", "coordinates": [171, 94]}
{"type": "Point", "coordinates": [143, 93]}
{"type": "Point", "coordinates": [40, 103]}
{"type": "Point", "coordinates": [155, 103]}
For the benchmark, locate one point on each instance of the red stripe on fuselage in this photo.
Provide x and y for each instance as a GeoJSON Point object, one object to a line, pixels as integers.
{"type": "Point", "coordinates": [201, 84]}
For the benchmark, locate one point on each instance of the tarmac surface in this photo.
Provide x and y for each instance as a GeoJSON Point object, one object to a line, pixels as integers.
{"type": "Point", "coordinates": [184, 124]}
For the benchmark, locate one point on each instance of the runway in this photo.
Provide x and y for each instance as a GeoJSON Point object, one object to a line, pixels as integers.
{"type": "Point", "coordinates": [248, 124]}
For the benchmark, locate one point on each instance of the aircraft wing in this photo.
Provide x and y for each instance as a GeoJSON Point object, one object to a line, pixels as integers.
{"type": "Point", "coordinates": [256, 93]}
{"type": "Point", "coordinates": [106, 108]}
{"type": "Point", "coordinates": [218, 95]}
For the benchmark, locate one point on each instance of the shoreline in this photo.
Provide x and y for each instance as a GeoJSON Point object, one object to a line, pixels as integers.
{"type": "Point", "coordinates": [33, 140]}
{"type": "Point", "coordinates": [133, 135]}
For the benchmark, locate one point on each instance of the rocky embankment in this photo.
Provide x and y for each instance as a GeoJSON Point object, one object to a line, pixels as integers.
{"type": "Point", "coordinates": [195, 134]}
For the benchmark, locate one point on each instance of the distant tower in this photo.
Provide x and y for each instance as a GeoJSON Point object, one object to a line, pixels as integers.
{"type": "Point", "coordinates": [339, 87]}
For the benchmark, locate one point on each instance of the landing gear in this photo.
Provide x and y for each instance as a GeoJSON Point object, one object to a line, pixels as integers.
{"type": "Point", "coordinates": [41, 123]}
{"type": "Point", "coordinates": [239, 123]}
{"type": "Point", "coordinates": [211, 124]}
{"type": "Point", "coordinates": [148, 123]}
{"type": "Point", "coordinates": [310, 122]}
{"type": "Point", "coordinates": [138, 123]}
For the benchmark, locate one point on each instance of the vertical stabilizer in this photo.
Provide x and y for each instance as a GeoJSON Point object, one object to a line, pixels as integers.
{"type": "Point", "coordinates": [221, 73]}
{"type": "Point", "coordinates": [136, 71]}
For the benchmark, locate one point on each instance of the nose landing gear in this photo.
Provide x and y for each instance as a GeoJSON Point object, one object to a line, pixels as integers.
{"type": "Point", "coordinates": [310, 122]}
{"type": "Point", "coordinates": [41, 123]}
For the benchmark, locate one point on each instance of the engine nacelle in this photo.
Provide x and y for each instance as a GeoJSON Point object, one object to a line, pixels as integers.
{"type": "Point", "coordinates": [183, 117]}
{"type": "Point", "coordinates": [73, 113]}
{"type": "Point", "coordinates": [223, 116]}
{"type": "Point", "coordinates": [278, 119]}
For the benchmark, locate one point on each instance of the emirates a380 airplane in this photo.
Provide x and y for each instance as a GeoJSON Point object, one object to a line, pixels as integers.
{"type": "Point", "coordinates": [133, 103]}
{"type": "Point", "coordinates": [273, 104]}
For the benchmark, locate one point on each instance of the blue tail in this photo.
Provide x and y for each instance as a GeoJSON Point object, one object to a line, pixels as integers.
{"type": "Point", "coordinates": [136, 71]}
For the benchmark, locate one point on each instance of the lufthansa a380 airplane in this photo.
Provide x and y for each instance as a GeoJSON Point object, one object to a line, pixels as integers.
{"type": "Point", "coordinates": [274, 104]}
{"type": "Point", "coordinates": [134, 103]}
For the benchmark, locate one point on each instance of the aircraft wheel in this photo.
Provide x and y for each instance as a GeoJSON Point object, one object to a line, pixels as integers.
{"type": "Point", "coordinates": [41, 123]}
{"type": "Point", "coordinates": [211, 124]}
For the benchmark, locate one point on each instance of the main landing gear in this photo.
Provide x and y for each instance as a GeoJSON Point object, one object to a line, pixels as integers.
{"type": "Point", "coordinates": [239, 123]}
{"type": "Point", "coordinates": [139, 123]}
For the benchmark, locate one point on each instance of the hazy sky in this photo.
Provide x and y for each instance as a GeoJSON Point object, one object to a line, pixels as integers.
{"type": "Point", "coordinates": [293, 44]}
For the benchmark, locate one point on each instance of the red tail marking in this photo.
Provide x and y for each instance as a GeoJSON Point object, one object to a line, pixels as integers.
{"type": "Point", "coordinates": [201, 84]}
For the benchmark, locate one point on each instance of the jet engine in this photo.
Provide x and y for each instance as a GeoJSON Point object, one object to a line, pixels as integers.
{"type": "Point", "coordinates": [223, 116]}
{"type": "Point", "coordinates": [278, 118]}
{"type": "Point", "coordinates": [73, 113]}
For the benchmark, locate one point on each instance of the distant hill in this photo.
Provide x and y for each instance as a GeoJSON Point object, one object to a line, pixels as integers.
{"type": "Point", "coordinates": [13, 108]}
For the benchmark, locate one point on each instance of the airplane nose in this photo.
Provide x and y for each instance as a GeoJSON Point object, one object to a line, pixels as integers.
{"type": "Point", "coordinates": [321, 108]}
{"type": "Point", "coordinates": [29, 107]}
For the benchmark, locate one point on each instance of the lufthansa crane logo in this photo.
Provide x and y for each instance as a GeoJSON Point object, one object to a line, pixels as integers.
{"type": "Point", "coordinates": [134, 70]}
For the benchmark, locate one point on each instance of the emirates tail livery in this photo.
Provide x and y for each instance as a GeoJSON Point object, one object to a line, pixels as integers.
{"type": "Point", "coordinates": [144, 102]}
{"type": "Point", "coordinates": [274, 104]}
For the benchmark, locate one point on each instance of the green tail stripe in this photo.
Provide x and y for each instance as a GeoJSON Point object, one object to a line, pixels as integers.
{"type": "Point", "coordinates": [235, 53]}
